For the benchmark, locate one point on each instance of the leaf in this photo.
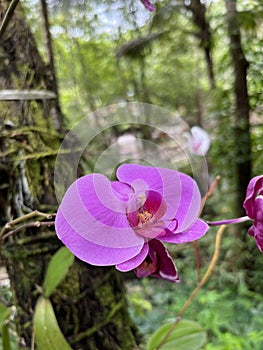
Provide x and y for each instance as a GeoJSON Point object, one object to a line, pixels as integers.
{"type": "Point", "coordinates": [48, 335]}
{"type": "Point", "coordinates": [4, 313]}
{"type": "Point", "coordinates": [187, 335]}
{"type": "Point", "coordinates": [57, 270]}
{"type": "Point", "coordinates": [5, 337]}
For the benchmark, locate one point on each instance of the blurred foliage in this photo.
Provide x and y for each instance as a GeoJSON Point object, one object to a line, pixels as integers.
{"type": "Point", "coordinates": [6, 297]}
{"type": "Point", "coordinates": [109, 52]}
{"type": "Point", "coordinates": [231, 314]}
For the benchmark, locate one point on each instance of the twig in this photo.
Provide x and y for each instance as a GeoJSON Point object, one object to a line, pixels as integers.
{"type": "Point", "coordinates": [200, 284]}
{"type": "Point", "coordinates": [25, 217]}
{"type": "Point", "coordinates": [30, 224]}
{"type": "Point", "coordinates": [8, 16]}
{"type": "Point", "coordinates": [209, 193]}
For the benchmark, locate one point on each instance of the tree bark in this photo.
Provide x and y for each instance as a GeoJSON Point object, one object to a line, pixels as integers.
{"type": "Point", "coordinates": [246, 260]}
{"type": "Point", "coordinates": [51, 63]}
{"type": "Point", "coordinates": [242, 108]}
{"type": "Point", "coordinates": [198, 10]}
{"type": "Point", "coordinates": [90, 304]}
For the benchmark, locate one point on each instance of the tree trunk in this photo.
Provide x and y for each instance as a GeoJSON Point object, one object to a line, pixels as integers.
{"type": "Point", "coordinates": [50, 62]}
{"type": "Point", "coordinates": [90, 304]}
{"type": "Point", "coordinates": [247, 259]}
{"type": "Point", "coordinates": [242, 125]}
{"type": "Point", "coordinates": [199, 17]}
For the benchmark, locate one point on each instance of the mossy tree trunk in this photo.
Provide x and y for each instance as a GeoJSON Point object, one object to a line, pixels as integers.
{"type": "Point", "coordinates": [90, 304]}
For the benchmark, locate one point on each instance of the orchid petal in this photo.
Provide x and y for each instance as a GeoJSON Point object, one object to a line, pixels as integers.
{"type": "Point", "coordinates": [196, 231]}
{"type": "Point", "coordinates": [181, 194]}
{"type": "Point", "coordinates": [154, 208]}
{"type": "Point", "coordinates": [151, 230]}
{"type": "Point", "coordinates": [155, 204]}
{"type": "Point", "coordinates": [122, 191]}
{"type": "Point", "coordinates": [135, 261]}
{"type": "Point", "coordinates": [159, 263]}
{"type": "Point", "coordinates": [257, 229]}
{"type": "Point", "coordinates": [145, 269]}
{"type": "Point", "coordinates": [94, 211]}
{"type": "Point", "coordinates": [255, 188]}
{"type": "Point", "coordinates": [89, 252]}
{"type": "Point", "coordinates": [257, 233]}
{"type": "Point", "coordinates": [258, 206]}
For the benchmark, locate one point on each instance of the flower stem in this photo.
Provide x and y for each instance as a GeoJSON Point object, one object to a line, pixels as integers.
{"type": "Point", "coordinates": [198, 261]}
{"type": "Point", "coordinates": [227, 222]}
{"type": "Point", "coordinates": [209, 193]}
{"type": "Point", "coordinates": [204, 199]}
{"type": "Point", "coordinates": [200, 284]}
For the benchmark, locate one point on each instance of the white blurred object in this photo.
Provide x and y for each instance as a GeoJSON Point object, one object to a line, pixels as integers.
{"type": "Point", "coordinates": [199, 141]}
{"type": "Point", "coordinates": [129, 145]}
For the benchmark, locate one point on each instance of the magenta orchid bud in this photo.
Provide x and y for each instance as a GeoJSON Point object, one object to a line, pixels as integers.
{"type": "Point", "coordinates": [148, 5]}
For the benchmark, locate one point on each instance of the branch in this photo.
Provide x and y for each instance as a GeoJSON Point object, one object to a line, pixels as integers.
{"type": "Point", "coordinates": [8, 16]}
{"type": "Point", "coordinates": [29, 224]}
{"type": "Point", "coordinates": [209, 193]}
{"type": "Point", "coordinates": [14, 94]}
{"type": "Point", "coordinates": [25, 217]}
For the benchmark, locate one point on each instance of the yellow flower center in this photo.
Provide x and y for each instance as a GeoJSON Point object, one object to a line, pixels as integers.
{"type": "Point", "coordinates": [144, 217]}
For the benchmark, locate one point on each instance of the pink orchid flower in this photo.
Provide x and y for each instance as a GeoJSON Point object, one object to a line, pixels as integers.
{"type": "Point", "coordinates": [148, 5]}
{"type": "Point", "coordinates": [253, 205]}
{"type": "Point", "coordinates": [124, 222]}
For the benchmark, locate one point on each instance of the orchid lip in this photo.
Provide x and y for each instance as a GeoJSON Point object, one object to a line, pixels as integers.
{"type": "Point", "coordinates": [228, 222]}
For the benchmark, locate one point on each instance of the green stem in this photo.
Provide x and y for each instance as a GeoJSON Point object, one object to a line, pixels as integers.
{"type": "Point", "coordinates": [200, 284]}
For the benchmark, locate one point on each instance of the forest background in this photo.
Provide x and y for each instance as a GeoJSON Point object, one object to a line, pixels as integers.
{"type": "Point", "coordinates": [201, 61]}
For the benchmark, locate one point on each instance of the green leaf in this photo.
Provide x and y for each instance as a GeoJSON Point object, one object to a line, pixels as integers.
{"type": "Point", "coordinates": [47, 332]}
{"type": "Point", "coordinates": [187, 335]}
{"type": "Point", "coordinates": [5, 337]}
{"type": "Point", "coordinates": [57, 270]}
{"type": "Point", "coordinates": [4, 313]}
